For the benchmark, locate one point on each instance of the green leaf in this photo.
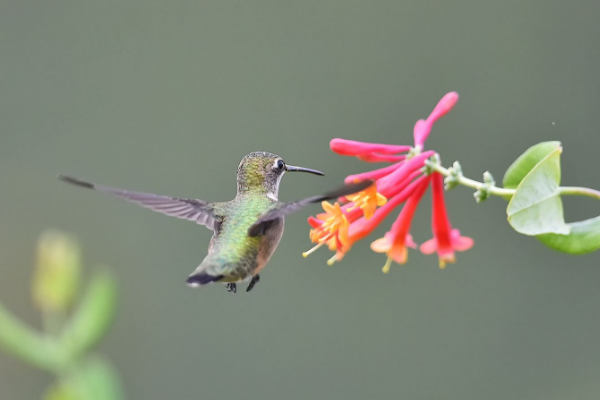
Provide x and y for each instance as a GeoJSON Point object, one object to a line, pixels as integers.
{"type": "Point", "coordinates": [21, 341]}
{"type": "Point", "coordinates": [96, 379]}
{"type": "Point", "coordinates": [92, 317]}
{"type": "Point", "coordinates": [525, 163]}
{"type": "Point", "coordinates": [584, 238]}
{"type": "Point", "coordinates": [536, 207]}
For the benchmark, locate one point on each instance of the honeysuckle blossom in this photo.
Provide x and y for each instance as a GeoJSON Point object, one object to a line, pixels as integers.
{"type": "Point", "coordinates": [396, 241]}
{"type": "Point", "coordinates": [445, 239]}
{"type": "Point", "coordinates": [423, 127]}
{"type": "Point", "coordinates": [330, 228]}
{"type": "Point", "coordinates": [384, 245]}
{"type": "Point", "coordinates": [403, 182]}
{"type": "Point", "coordinates": [368, 200]}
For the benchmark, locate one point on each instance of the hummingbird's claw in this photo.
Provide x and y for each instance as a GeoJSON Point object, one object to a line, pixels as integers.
{"type": "Point", "coordinates": [231, 287]}
{"type": "Point", "coordinates": [253, 282]}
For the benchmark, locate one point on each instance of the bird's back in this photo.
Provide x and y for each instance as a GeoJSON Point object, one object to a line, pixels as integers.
{"type": "Point", "coordinates": [232, 253]}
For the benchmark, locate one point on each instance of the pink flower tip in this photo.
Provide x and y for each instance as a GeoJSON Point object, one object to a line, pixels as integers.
{"type": "Point", "coordinates": [443, 106]}
{"type": "Point", "coordinates": [446, 253]}
{"type": "Point", "coordinates": [423, 127]}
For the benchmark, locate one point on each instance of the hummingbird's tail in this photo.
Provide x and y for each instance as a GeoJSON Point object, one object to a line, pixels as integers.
{"type": "Point", "coordinates": [208, 271]}
{"type": "Point", "coordinates": [198, 278]}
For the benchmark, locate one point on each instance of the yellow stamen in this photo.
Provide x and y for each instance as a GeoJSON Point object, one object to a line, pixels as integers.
{"type": "Point", "coordinates": [309, 252]}
{"type": "Point", "coordinates": [446, 259]}
{"type": "Point", "coordinates": [386, 267]}
{"type": "Point", "coordinates": [331, 261]}
{"type": "Point", "coordinates": [324, 239]}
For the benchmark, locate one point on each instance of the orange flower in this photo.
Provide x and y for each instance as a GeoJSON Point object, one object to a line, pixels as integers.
{"type": "Point", "coordinates": [330, 228]}
{"type": "Point", "coordinates": [368, 200]}
{"type": "Point", "coordinates": [386, 245]}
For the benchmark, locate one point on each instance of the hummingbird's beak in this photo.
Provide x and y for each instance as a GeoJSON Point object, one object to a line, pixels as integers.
{"type": "Point", "coordinates": [291, 168]}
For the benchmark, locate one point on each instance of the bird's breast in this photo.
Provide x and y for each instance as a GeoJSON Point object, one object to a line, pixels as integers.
{"type": "Point", "coordinates": [233, 247]}
{"type": "Point", "coordinates": [269, 243]}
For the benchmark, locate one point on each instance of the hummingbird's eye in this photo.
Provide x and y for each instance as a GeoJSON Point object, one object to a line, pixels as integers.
{"type": "Point", "coordinates": [280, 165]}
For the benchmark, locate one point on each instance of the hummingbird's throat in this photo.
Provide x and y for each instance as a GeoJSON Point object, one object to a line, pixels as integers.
{"type": "Point", "coordinates": [258, 184]}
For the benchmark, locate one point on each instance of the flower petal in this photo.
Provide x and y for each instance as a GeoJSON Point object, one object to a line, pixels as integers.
{"type": "Point", "coordinates": [380, 199]}
{"type": "Point", "coordinates": [381, 245]}
{"type": "Point", "coordinates": [461, 243]}
{"type": "Point", "coordinates": [367, 200]}
{"type": "Point", "coordinates": [314, 222]}
{"type": "Point", "coordinates": [429, 247]}
{"type": "Point", "coordinates": [399, 254]}
{"type": "Point", "coordinates": [328, 207]}
{"type": "Point", "coordinates": [410, 242]}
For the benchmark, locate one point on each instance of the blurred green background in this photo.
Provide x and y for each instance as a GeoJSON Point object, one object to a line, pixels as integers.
{"type": "Point", "coordinates": [167, 97]}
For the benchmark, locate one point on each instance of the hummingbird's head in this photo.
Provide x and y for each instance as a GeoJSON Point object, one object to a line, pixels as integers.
{"type": "Point", "coordinates": [261, 172]}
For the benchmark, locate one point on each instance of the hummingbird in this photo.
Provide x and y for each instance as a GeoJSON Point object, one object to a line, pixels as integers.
{"type": "Point", "coordinates": [246, 230]}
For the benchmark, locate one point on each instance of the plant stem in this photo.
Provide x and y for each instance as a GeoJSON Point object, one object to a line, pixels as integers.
{"type": "Point", "coordinates": [473, 184]}
{"type": "Point", "coordinates": [508, 193]}
{"type": "Point", "coordinates": [579, 191]}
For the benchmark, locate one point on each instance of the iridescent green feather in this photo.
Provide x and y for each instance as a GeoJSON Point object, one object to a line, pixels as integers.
{"type": "Point", "coordinates": [234, 253]}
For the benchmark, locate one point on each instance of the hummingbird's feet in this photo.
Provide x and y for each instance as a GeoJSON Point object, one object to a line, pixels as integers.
{"type": "Point", "coordinates": [231, 287]}
{"type": "Point", "coordinates": [253, 282]}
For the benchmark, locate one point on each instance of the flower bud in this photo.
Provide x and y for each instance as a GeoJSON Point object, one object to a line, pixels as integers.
{"type": "Point", "coordinates": [482, 194]}
{"type": "Point", "coordinates": [451, 181]}
{"type": "Point", "coordinates": [56, 278]}
{"type": "Point", "coordinates": [488, 178]}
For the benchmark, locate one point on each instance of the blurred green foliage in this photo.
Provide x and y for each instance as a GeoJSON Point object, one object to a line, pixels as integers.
{"type": "Point", "coordinates": [57, 275]}
{"type": "Point", "coordinates": [71, 326]}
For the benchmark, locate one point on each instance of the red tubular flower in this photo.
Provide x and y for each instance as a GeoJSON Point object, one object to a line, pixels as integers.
{"type": "Point", "coordinates": [362, 227]}
{"type": "Point", "coordinates": [396, 241]}
{"type": "Point", "coordinates": [423, 127]}
{"type": "Point", "coordinates": [353, 226]}
{"type": "Point", "coordinates": [401, 173]}
{"type": "Point", "coordinates": [401, 182]}
{"type": "Point", "coordinates": [353, 148]}
{"type": "Point", "coordinates": [445, 239]}
{"type": "Point", "coordinates": [361, 216]}
{"type": "Point", "coordinates": [376, 157]}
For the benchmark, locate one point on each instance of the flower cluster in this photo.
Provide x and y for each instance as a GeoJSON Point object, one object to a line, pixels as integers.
{"type": "Point", "coordinates": [404, 182]}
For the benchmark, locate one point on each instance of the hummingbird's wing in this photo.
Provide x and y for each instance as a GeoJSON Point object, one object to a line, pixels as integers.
{"type": "Point", "coordinates": [198, 211]}
{"type": "Point", "coordinates": [281, 209]}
